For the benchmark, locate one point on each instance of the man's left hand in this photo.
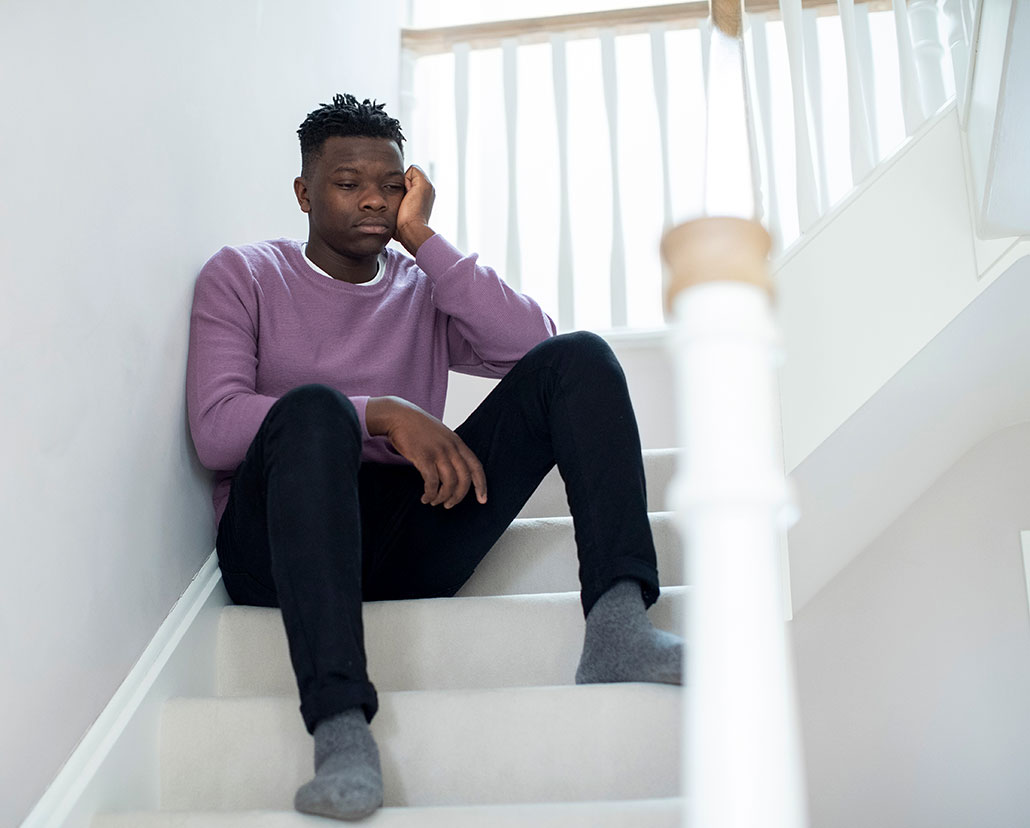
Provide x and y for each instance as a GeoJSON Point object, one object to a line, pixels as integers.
{"type": "Point", "coordinates": [416, 206]}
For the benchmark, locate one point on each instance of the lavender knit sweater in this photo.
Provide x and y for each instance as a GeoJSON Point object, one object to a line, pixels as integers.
{"type": "Point", "coordinates": [265, 322]}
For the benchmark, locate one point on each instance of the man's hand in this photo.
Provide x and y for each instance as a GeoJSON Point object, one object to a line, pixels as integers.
{"type": "Point", "coordinates": [446, 464]}
{"type": "Point", "coordinates": [416, 207]}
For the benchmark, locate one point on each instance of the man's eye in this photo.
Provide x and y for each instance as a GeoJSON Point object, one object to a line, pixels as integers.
{"type": "Point", "coordinates": [394, 187]}
{"type": "Point", "coordinates": [347, 185]}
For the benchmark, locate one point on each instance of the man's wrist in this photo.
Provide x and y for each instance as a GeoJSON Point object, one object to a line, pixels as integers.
{"type": "Point", "coordinates": [378, 411]}
{"type": "Point", "coordinates": [413, 235]}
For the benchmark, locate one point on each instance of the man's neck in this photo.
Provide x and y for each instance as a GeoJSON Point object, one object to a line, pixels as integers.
{"type": "Point", "coordinates": [355, 270]}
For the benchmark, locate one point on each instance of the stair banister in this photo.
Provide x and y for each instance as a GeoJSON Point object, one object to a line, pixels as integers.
{"type": "Point", "coordinates": [742, 758]}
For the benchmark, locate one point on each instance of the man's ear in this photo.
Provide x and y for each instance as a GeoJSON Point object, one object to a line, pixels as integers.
{"type": "Point", "coordinates": [300, 187]}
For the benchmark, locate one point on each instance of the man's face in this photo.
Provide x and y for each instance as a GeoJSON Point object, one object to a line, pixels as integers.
{"type": "Point", "coordinates": [352, 193]}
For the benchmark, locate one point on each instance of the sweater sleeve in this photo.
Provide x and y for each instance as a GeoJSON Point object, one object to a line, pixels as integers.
{"type": "Point", "coordinates": [225, 411]}
{"type": "Point", "coordinates": [490, 326]}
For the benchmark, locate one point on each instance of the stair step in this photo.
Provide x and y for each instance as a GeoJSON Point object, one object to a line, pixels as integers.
{"type": "Point", "coordinates": [538, 555]}
{"type": "Point", "coordinates": [659, 465]}
{"type": "Point", "coordinates": [653, 813]}
{"type": "Point", "coordinates": [453, 747]}
{"type": "Point", "coordinates": [519, 640]}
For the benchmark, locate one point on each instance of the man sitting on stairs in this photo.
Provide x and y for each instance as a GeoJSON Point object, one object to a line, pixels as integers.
{"type": "Point", "coordinates": [316, 379]}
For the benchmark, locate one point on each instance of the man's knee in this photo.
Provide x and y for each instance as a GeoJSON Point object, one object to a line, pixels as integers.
{"type": "Point", "coordinates": [318, 409]}
{"type": "Point", "coordinates": [583, 349]}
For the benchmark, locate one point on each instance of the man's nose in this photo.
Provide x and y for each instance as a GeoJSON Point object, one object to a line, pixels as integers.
{"type": "Point", "coordinates": [372, 199]}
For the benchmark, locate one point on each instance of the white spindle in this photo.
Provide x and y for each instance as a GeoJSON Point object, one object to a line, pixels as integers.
{"type": "Point", "coordinates": [566, 290]}
{"type": "Point", "coordinates": [750, 118]}
{"type": "Point", "coordinates": [864, 38]}
{"type": "Point", "coordinates": [862, 158]}
{"type": "Point", "coordinates": [729, 179]}
{"type": "Point", "coordinates": [760, 45]}
{"type": "Point", "coordinates": [911, 99]}
{"type": "Point", "coordinates": [808, 211]}
{"type": "Point", "coordinates": [743, 766]}
{"type": "Point", "coordinates": [513, 266]}
{"type": "Point", "coordinates": [618, 254]}
{"type": "Point", "coordinates": [704, 29]}
{"type": "Point", "coordinates": [461, 124]}
{"type": "Point", "coordinates": [660, 75]}
{"type": "Point", "coordinates": [926, 43]}
{"type": "Point", "coordinates": [407, 98]}
{"type": "Point", "coordinates": [958, 40]}
{"type": "Point", "coordinates": [813, 78]}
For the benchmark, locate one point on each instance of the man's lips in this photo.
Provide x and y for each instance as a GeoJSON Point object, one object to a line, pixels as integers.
{"type": "Point", "coordinates": [375, 226]}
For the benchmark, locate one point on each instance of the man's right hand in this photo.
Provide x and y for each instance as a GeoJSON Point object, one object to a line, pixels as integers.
{"type": "Point", "coordinates": [446, 464]}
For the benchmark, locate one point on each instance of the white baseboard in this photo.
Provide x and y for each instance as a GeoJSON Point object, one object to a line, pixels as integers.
{"type": "Point", "coordinates": [115, 766]}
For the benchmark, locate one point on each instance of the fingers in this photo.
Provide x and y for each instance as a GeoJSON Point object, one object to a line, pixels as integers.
{"type": "Point", "coordinates": [478, 476]}
{"type": "Point", "coordinates": [415, 175]}
{"type": "Point", "coordinates": [450, 475]}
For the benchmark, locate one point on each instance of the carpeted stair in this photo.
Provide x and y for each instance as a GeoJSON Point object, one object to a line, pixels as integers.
{"type": "Point", "coordinates": [480, 723]}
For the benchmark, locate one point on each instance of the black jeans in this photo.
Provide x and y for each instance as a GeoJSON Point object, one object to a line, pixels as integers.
{"type": "Point", "coordinates": [311, 529]}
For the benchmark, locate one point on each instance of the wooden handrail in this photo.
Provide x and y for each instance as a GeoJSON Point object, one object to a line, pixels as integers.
{"type": "Point", "coordinates": [440, 40]}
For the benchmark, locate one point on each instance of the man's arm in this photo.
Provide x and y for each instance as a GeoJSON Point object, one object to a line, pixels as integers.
{"type": "Point", "coordinates": [225, 411]}
{"type": "Point", "coordinates": [491, 326]}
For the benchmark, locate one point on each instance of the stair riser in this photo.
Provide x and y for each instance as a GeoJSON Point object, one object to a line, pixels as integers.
{"type": "Point", "coordinates": [539, 556]}
{"type": "Point", "coordinates": [426, 645]}
{"type": "Point", "coordinates": [458, 747]}
{"type": "Point", "coordinates": [659, 465]}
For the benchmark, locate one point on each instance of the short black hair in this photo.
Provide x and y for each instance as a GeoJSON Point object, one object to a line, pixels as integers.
{"type": "Point", "coordinates": [345, 117]}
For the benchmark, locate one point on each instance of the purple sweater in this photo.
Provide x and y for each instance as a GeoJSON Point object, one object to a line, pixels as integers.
{"type": "Point", "coordinates": [264, 321]}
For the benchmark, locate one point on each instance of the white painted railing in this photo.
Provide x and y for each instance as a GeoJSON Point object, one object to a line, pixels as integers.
{"type": "Point", "coordinates": [742, 760]}
{"type": "Point", "coordinates": [571, 142]}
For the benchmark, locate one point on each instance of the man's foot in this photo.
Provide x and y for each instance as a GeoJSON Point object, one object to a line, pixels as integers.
{"type": "Point", "coordinates": [348, 782]}
{"type": "Point", "coordinates": [622, 645]}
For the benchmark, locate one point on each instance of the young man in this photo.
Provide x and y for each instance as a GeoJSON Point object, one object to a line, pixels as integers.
{"type": "Point", "coordinates": [316, 378]}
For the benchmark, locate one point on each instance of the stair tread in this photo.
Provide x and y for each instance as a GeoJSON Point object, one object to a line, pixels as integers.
{"type": "Point", "coordinates": [519, 640]}
{"type": "Point", "coordinates": [654, 813]}
{"type": "Point", "coordinates": [560, 745]}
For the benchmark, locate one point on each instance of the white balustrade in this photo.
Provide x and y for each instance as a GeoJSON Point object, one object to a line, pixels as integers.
{"type": "Point", "coordinates": [566, 292]}
{"type": "Point", "coordinates": [760, 46]}
{"type": "Point", "coordinates": [461, 126]}
{"type": "Point", "coordinates": [513, 264]}
{"type": "Point", "coordinates": [957, 37]}
{"type": "Point", "coordinates": [660, 80]}
{"type": "Point", "coordinates": [911, 98]}
{"type": "Point", "coordinates": [813, 78]}
{"type": "Point", "coordinates": [808, 209]}
{"type": "Point", "coordinates": [618, 254]}
{"type": "Point", "coordinates": [862, 158]}
{"type": "Point", "coordinates": [926, 44]}
{"type": "Point", "coordinates": [920, 52]}
{"type": "Point", "coordinates": [864, 40]}
{"type": "Point", "coordinates": [705, 29]}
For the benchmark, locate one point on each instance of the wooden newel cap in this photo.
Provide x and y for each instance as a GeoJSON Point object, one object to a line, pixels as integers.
{"type": "Point", "coordinates": [716, 249]}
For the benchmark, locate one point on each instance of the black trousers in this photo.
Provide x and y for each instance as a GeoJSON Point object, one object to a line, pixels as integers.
{"type": "Point", "coordinates": [311, 529]}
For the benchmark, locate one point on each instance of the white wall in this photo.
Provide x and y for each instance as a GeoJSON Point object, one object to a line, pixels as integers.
{"type": "Point", "coordinates": [913, 664]}
{"type": "Point", "coordinates": [137, 138]}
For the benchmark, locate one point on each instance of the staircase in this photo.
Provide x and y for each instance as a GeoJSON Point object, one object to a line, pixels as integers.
{"type": "Point", "coordinates": [479, 721]}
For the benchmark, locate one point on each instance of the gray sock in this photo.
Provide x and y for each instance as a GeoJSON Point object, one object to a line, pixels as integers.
{"type": "Point", "coordinates": [622, 645]}
{"type": "Point", "coordinates": [348, 782]}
